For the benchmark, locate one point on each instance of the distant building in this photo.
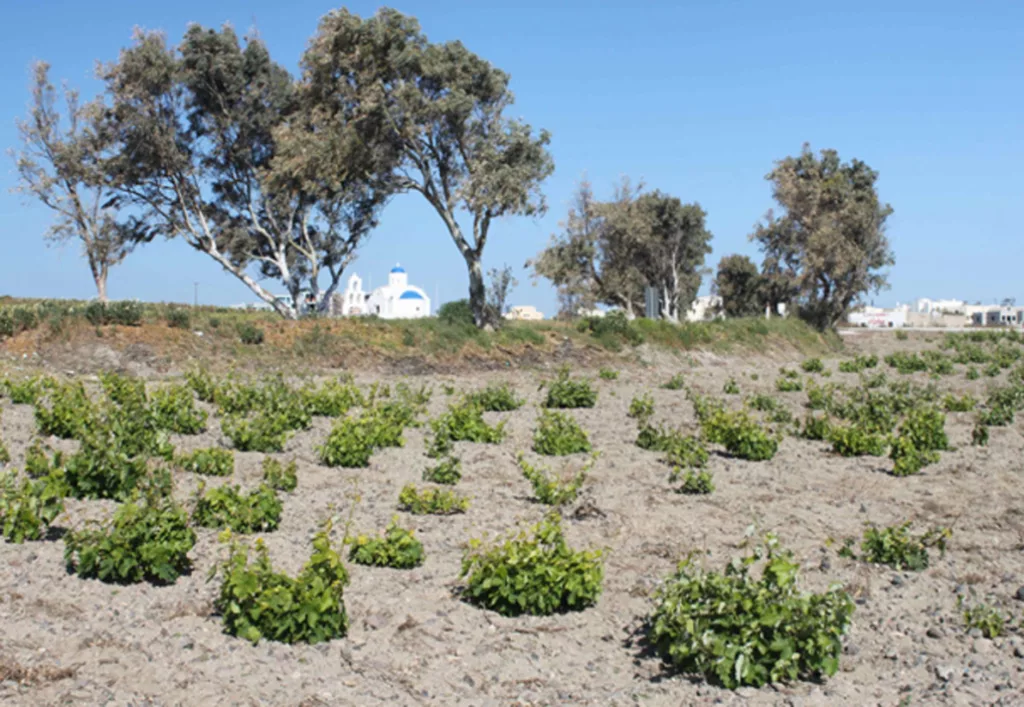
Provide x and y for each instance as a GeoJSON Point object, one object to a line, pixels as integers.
{"type": "Point", "coordinates": [524, 313]}
{"type": "Point", "coordinates": [940, 306]}
{"type": "Point", "coordinates": [395, 300]}
{"type": "Point", "coordinates": [877, 317]}
{"type": "Point", "coordinates": [706, 307]}
{"type": "Point", "coordinates": [995, 315]}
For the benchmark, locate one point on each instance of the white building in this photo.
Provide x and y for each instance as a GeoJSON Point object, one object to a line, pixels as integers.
{"type": "Point", "coordinates": [706, 307]}
{"type": "Point", "coordinates": [524, 313]}
{"type": "Point", "coordinates": [395, 300]}
{"type": "Point", "coordinates": [878, 318]}
{"type": "Point", "coordinates": [940, 306]}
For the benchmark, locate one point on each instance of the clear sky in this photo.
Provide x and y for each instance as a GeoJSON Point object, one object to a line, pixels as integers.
{"type": "Point", "coordinates": [697, 99]}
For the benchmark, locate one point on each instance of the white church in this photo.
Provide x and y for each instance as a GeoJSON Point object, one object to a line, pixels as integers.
{"type": "Point", "coordinates": [395, 300]}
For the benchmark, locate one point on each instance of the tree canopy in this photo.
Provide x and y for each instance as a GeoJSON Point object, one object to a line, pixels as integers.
{"type": "Point", "coordinates": [215, 144]}
{"type": "Point", "coordinates": [740, 285]}
{"type": "Point", "coordinates": [440, 109]}
{"type": "Point", "coordinates": [828, 247]}
{"type": "Point", "coordinates": [609, 251]}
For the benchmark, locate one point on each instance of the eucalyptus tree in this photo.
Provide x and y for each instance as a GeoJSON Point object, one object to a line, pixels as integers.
{"type": "Point", "coordinates": [57, 165]}
{"type": "Point", "coordinates": [442, 111]}
{"type": "Point", "coordinates": [215, 144]}
{"type": "Point", "coordinates": [740, 285]}
{"type": "Point", "coordinates": [829, 246]}
{"type": "Point", "coordinates": [609, 251]}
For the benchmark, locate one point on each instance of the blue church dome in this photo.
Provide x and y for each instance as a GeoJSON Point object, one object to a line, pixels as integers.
{"type": "Point", "coordinates": [410, 294]}
{"type": "Point", "coordinates": [398, 268]}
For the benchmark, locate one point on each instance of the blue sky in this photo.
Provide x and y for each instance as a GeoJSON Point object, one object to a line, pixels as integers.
{"type": "Point", "coordinates": [697, 99]}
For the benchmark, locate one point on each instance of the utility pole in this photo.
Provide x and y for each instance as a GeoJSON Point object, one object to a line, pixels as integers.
{"type": "Point", "coordinates": [196, 298]}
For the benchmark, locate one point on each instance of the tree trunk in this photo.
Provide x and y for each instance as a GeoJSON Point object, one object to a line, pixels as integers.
{"type": "Point", "coordinates": [100, 277]}
{"type": "Point", "coordinates": [477, 291]}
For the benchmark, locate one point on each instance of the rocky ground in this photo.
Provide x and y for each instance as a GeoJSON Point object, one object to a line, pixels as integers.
{"type": "Point", "coordinates": [413, 641]}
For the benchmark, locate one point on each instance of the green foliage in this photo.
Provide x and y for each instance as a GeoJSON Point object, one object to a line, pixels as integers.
{"type": "Point", "coordinates": [855, 441]}
{"type": "Point", "coordinates": [350, 444]}
{"type": "Point", "coordinates": [908, 458]}
{"type": "Point", "coordinates": [896, 547]}
{"type": "Point", "coordinates": [148, 539]}
{"type": "Point", "coordinates": [38, 463]}
{"type": "Point", "coordinates": [280, 477]}
{"type": "Point", "coordinates": [258, 603]}
{"type": "Point", "coordinates": [29, 506]}
{"type": "Point", "coordinates": [731, 387]}
{"type": "Point", "coordinates": [263, 433]}
{"type": "Point", "coordinates": [68, 406]}
{"type": "Point", "coordinates": [554, 490]}
{"type": "Point", "coordinates": [992, 370]}
{"type": "Point", "coordinates": [250, 334]}
{"type": "Point", "coordinates": [331, 399]}
{"type": "Point", "coordinates": [431, 501]}
{"type": "Point", "coordinates": [125, 313]}
{"type": "Point", "coordinates": [902, 336]}
{"type": "Point", "coordinates": [209, 462]}
{"type": "Point", "coordinates": [558, 434]}
{"type": "Point", "coordinates": [972, 374]}
{"type": "Point", "coordinates": [179, 319]}
{"type": "Point", "coordinates": [987, 619]}
{"type": "Point", "coordinates": [737, 630]}
{"type": "Point", "coordinates": [612, 330]}
{"type": "Point", "coordinates": [496, 398]}
{"type": "Point", "coordinates": [203, 384]}
{"type": "Point", "coordinates": [448, 471]}
{"type": "Point", "coordinates": [227, 507]}
{"type": "Point", "coordinates": [906, 363]}
{"type": "Point", "coordinates": [456, 313]}
{"type": "Point", "coordinates": [813, 365]}
{"type": "Point", "coordinates": [642, 408]}
{"type": "Point", "coordinates": [816, 428]}
{"type": "Point", "coordinates": [26, 390]}
{"type": "Point", "coordinates": [608, 374]}
{"type": "Point", "coordinates": [979, 435]}
{"type": "Point", "coordinates": [533, 572]}
{"type": "Point", "coordinates": [694, 482]}
{"type": "Point", "coordinates": [463, 422]}
{"type": "Point", "coordinates": [788, 385]}
{"type": "Point", "coordinates": [964, 403]}
{"type": "Point", "coordinates": [174, 409]}
{"type": "Point", "coordinates": [397, 548]}
{"type": "Point", "coordinates": [685, 452]}
{"type": "Point", "coordinates": [564, 392]}
{"type": "Point", "coordinates": [741, 436]}
{"type": "Point", "coordinates": [676, 382]}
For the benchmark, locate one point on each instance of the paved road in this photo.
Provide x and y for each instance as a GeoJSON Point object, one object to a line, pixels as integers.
{"type": "Point", "coordinates": [853, 331]}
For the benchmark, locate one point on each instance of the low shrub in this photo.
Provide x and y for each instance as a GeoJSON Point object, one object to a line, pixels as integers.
{"type": "Point", "coordinates": [174, 410]}
{"type": "Point", "coordinates": [737, 630]}
{"type": "Point", "coordinates": [676, 382]}
{"type": "Point", "coordinates": [564, 392]}
{"type": "Point", "coordinates": [908, 458]}
{"type": "Point", "coordinates": [331, 399]}
{"type": "Point", "coordinates": [964, 403]}
{"type": "Point", "coordinates": [612, 330]}
{"type": "Point", "coordinates": [280, 477]}
{"type": "Point", "coordinates": [62, 411]}
{"type": "Point", "coordinates": [855, 441]}
{"type": "Point", "coordinates": [350, 444]}
{"type": "Point", "coordinates": [203, 384]}
{"type": "Point", "coordinates": [896, 547]}
{"type": "Point", "coordinates": [26, 390]}
{"type": "Point", "coordinates": [987, 619]}
{"type": "Point", "coordinates": [813, 365]}
{"type": "Point", "coordinates": [788, 385]}
{"type": "Point", "coordinates": [125, 313]}
{"type": "Point", "coordinates": [496, 398]}
{"type": "Point", "coordinates": [558, 434]}
{"type": "Point", "coordinates": [397, 548]}
{"type": "Point", "coordinates": [608, 374]}
{"type": "Point", "coordinates": [456, 313]}
{"type": "Point", "coordinates": [979, 435]}
{"type": "Point", "coordinates": [816, 428]}
{"type": "Point", "coordinates": [740, 435]}
{"type": "Point", "coordinates": [208, 462]}
{"type": "Point", "coordinates": [29, 506]}
{"type": "Point", "coordinates": [262, 433]}
{"type": "Point", "coordinates": [448, 471]}
{"type": "Point", "coordinates": [731, 387]}
{"type": "Point", "coordinates": [972, 374]}
{"type": "Point", "coordinates": [255, 602]}
{"type": "Point", "coordinates": [906, 363]}
{"type": "Point", "coordinates": [148, 539]}
{"type": "Point", "coordinates": [992, 370]}
{"type": "Point", "coordinates": [431, 501]}
{"type": "Point", "coordinates": [685, 452]}
{"type": "Point", "coordinates": [926, 428]}
{"type": "Point", "coordinates": [694, 482]}
{"type": "Point", "coordinates": [179, 319]}
{"type": "Point", "coordinates": [250, 334]}
{"type": "Point", "coordinates": [465, 423]}
{"type": "Point", "coordinates": [227, 507]}
{"type": "Point", "coordinates": [533, 572]}
{"type": "Point", "coordinates": [641, 409]}
{"type": "Point", "coordinates": [550, 489]}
